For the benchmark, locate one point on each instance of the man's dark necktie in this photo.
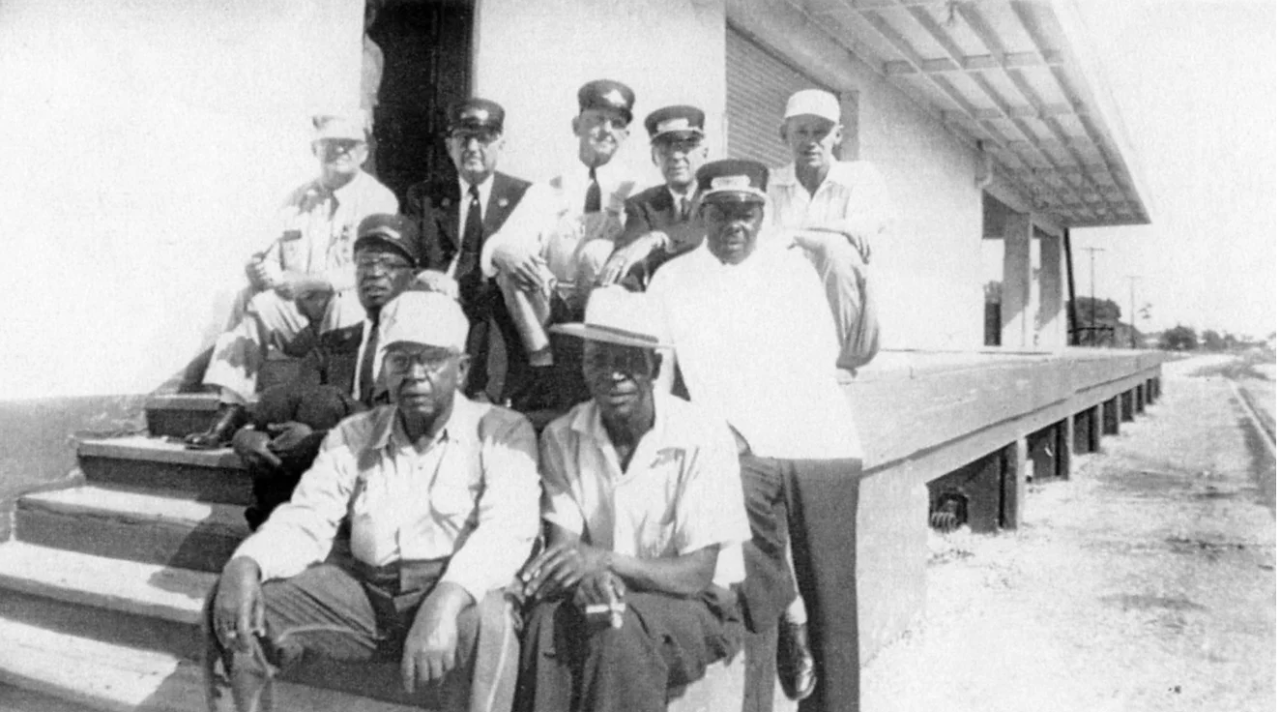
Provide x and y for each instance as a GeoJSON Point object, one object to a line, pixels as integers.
{"type": "Point", "coordinates": [468, 274]}
{"type": "Point", "coordinates": [684, 209]}
{"type": "Point", "coordinates": [592, 205]}
{"type": "Point", "coordinates": [366, 364]}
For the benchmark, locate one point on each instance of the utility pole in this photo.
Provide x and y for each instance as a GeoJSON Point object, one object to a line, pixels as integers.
{"type": "Point", "coordinates": [1093, 307]}
{"type": "Point", "coordinates": [1133, 315]}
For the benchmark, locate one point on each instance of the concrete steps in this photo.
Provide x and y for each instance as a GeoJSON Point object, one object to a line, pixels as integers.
{"type": "Point", "coordinates": [102, 582]}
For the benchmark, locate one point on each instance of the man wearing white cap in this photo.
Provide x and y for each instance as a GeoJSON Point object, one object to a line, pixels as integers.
{"type": "Point", "coordinates": [311, 252]}
{"type": "Point", "coordinates": [835, 210]}
{"type": "Point", "coordinates": [645, 519]}
{"type": "Point", "coordinates": [441, 494]}
{"type": "Point", "coordinates": [754, 344]}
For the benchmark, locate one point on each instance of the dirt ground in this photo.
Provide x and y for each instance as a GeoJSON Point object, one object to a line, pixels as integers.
{"type": "Point", "coordinates": [1145, 582]}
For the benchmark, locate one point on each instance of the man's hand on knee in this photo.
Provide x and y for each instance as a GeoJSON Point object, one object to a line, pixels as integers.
{"type": "Point", "coordinates": [521, 264]}
{"type": "Point", "coordinates": [560, 567]}
{"type": "Point", "coordinates": [253, 447]}
{"type": "Point", "coordinates": [239, 609]}
{"type": "Point", "coordinates": [431, 648]}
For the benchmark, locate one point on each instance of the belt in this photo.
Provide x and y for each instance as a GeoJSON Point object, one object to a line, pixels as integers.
{"type": "Point", "coordinates": [400, 577]}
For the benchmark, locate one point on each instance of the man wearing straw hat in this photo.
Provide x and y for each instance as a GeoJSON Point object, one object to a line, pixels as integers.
{"type": "Point", "coordinates": [645, 518]}
{"type": "Point", "coordinates": [441, 494]}
{"type": "Point", "coordinates": [755, 344]}
{"type": "Point", "coordinates": [456, 217]}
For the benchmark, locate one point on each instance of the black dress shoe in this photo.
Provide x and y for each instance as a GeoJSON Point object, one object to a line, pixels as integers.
{"type": "Point", "coordinates": [225, 424]}
{"type": "Point", "coordinates": [797, 670]}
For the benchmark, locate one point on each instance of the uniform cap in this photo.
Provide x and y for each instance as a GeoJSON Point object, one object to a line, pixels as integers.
{"type": "Point", "coordinates": [425, 318]}
{"type": "Point", "coordinates": [609, 95]}
{"type": "Point", "coordinates": [395, 231]}
{"type": "Point", "coordinates": [733, 180]}
{"type": "Point", "coordinates": [349, 127]}
{"type": "Point", "coordinates": [675, 121]}
{"type": "Point", "coordinates": [814, 102]}
{"type": "Point", "coordinates": [476, 113]}
{"type": "Point", "coordinates": [615, 315]}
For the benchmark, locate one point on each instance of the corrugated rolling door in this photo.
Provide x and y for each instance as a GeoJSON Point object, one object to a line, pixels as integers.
{"type": "Point", "coordinates": [758, 84]}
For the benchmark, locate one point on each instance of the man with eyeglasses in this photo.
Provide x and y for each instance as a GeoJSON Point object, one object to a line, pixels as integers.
{"type": "Point", "coordinates": [311, 253]}
{"type": "Point", "coordinates": [551, 252]}
{"type": "Point", "coordinates": [755, 343]}
{"type": "Point", "coordinates": [338, 377]}
{"type": "Point", "coordinates": [441, 496]}
{"type": "Point", "coordinates": [659, 222]}
{"type": "Point", "coordinates": [456, 217]}
{"type": "Point", "coordinates": [644, 516]}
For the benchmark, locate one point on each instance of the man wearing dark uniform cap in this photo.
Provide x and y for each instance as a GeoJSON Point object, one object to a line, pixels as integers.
{"type": "Point", "coordinates": [755, 342]}
{"type": "Point", "coordinates": [658, 224]}
{"type": "Point", "coordinates": [338, 377]}
{"type": "Point", "coordinates": [552, 250]}
{"type": "Point", "coordinates": [456, 217]}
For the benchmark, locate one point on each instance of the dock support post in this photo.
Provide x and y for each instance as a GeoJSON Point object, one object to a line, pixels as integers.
{"type": "Point", "coordinates": [1064, 433]}
{"type": "Point", "coordinates": [1126, 406]}
{"type": "Point", "coordinates": [1140, 398]}
{"type": "Point", "coordinates": [1012, 461]}
{"type": "Point", "coordinates": [1096, 420]}
{"type": "Point", "coordinates": [1111, 416]}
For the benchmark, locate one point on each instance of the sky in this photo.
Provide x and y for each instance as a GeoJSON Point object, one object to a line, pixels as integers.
{"type": "Point", "coordinates": [1195, 84]}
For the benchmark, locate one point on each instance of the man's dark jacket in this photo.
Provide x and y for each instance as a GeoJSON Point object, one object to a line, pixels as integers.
{"type": "Point", "coordinates": [435, 205]}
{"type": "Point", "coordinates": [649, 210]}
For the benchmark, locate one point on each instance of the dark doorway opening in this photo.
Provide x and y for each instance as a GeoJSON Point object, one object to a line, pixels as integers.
{"type": "Point", "coordinates": [426, 46]}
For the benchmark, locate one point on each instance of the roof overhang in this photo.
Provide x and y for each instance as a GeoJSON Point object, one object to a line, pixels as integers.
{"type": "Point", "coordinates": [1019, 78]}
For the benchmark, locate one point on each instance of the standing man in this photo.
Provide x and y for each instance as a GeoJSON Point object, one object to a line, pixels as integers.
{"type": "Point", "coordinates": [441, 494]}
{"type": "Point", "coordinates": [658, 219]}
{"type": "Point", "coordinates": [754, 344]}
{"type": "Point", "coordinates": [835, 210]}
{"type": "Point", "coordinates": [644, 513]}
{"type": "Point", "coordinates": [338, 376]}
{"type": "Point", "coordinates": [553, 249]}
{"type": "Point", "coordinates": [457, 216]}
{"type": "Point", "coordinates": [311, 253]}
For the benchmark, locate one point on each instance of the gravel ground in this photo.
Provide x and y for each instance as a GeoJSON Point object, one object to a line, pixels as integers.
{"type": "Point", "coordinates": [1146, 582]}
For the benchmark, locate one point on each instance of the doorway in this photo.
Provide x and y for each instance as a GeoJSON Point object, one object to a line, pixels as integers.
{"type": "Point", "coordinates": [426, 47]}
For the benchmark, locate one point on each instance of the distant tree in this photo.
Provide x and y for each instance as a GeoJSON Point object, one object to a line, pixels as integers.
{"type": "Point", "coordinates": [1097, 320]}
{"type": "Point", "coordinates": [1179, 338]}
{"type": "Point", "coordinates": [1212, 340]}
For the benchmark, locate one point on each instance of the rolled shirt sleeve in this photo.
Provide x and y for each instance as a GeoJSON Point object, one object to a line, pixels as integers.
{"type": "Point", "coordinates": [507, 512]}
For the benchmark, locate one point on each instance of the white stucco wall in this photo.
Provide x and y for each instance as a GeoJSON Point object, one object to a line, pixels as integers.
{"type": "Point", "coordinates": [146, 142]}
{"type": "Point", "coordinates": [533, 57]}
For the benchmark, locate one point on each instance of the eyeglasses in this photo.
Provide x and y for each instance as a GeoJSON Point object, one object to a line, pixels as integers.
{"type": "Point", "coordinates": [386, 262]}
{"type": "Point", "coordinates": [624, 360]}
{"type": "Point", "coordinates": [725, 212]}
{"type": "Point", "coordinates": [399, 362]}
{"type": "Point", "coordinates": [335, 146]}
{"type": "Point", "coordinates": [484, 137]}
{"type": "Point", "coordinates": [682, 145]}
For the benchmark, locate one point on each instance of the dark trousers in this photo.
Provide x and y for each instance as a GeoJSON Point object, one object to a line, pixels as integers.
{"type": "Point", "coordinates": [331, 613]}
{"type": "Point", "coordinates": [319, 406]}
{"type": "Point", "coordinates": [569, 665]}
{"type": "Point", "coordinates": [813, 503]}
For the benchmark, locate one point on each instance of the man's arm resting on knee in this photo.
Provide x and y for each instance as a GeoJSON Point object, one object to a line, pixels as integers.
{"type": "Point", "coordinates": [431, 649]}
{"type": "Point", "coordinates": [567, 561]}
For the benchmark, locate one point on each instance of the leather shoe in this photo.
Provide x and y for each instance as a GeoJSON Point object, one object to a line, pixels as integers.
{"type": "Point", "coordinates": [797, 670]}
{"type": "Point", "coordinates": [225, 424]}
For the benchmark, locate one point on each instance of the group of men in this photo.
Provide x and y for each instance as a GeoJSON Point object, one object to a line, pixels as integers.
{"type": "Point", "coordinates": [678, 346]}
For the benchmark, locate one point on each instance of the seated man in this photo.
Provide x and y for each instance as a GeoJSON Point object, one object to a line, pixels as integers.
{"type": "Point", "coordinates": [754, 343]}
{"type": "Point", "coordinates": [659, 222]}
{"type": "Point", "coordinates": [441, 494]}
{"type": "Point", "coordinates": [311, 253]}
{"type": "Point", "coordinates": [551, 251]}
{"type": "Point", "coordinates": [338, 375]}
{"type": "Point", "coordinates": [834, 210]}
{"type": "Point", "coordinates": [457, 216]}
{"type": "Point", "coordinates": [645, 519]}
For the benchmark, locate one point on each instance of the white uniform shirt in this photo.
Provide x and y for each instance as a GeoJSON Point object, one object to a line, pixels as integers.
{"type": "Point", "coordinates": [756, 345]}
{"type": "Point", "coordinates": [549, 219]}
{"type": "Point", "coordinates": [852, 195]}
{"type": "Point", "coordinates": [681, 492]}
{"type": "Point", "coordinates": [470, 494]}
{"type": "Point", "coordinates": [319, 227]}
